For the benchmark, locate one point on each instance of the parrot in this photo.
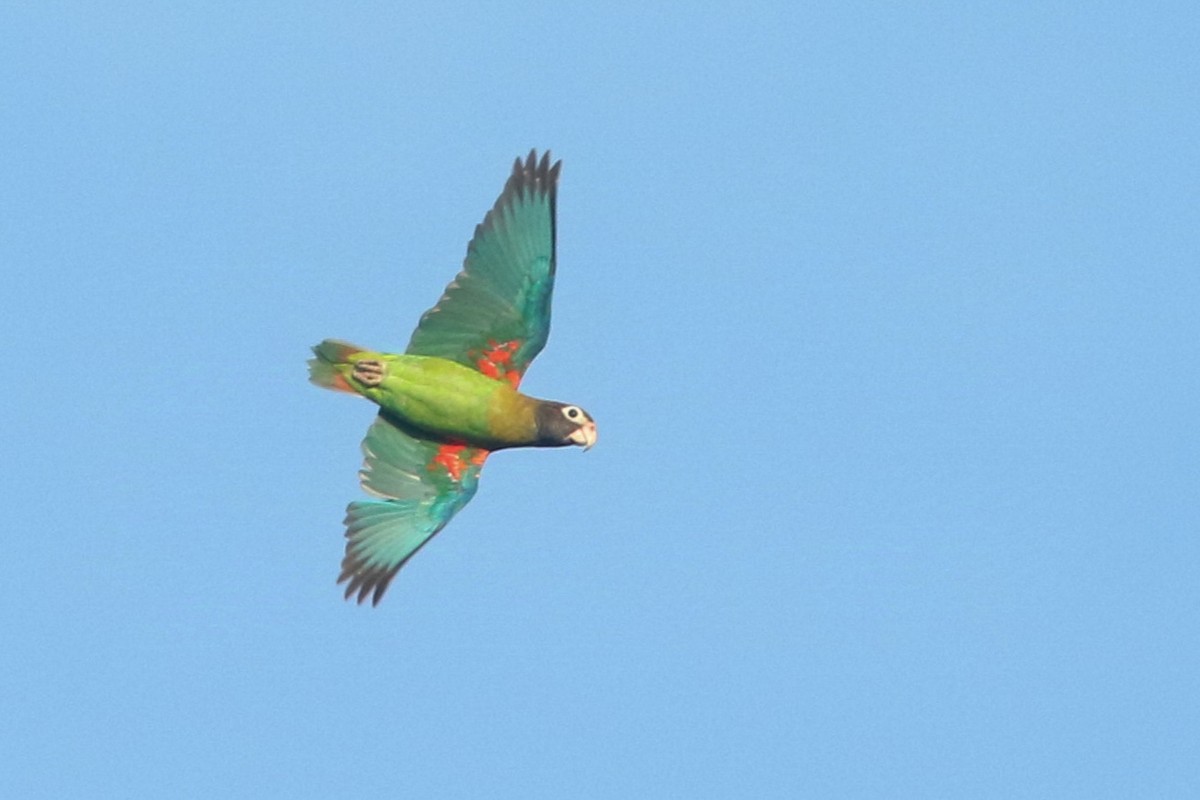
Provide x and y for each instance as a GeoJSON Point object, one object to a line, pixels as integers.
{"type": "Point", "coordinates": [452, 398]}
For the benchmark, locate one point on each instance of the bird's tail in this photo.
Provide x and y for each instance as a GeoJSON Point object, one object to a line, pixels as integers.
{"type": "Point", "coordinates": [332, 364]}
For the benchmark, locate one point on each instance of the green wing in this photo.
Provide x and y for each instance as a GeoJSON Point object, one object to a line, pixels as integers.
{"type": "Point", "coordinates": [421, 485]}
{"type": "Point", "coordinates": [495, 315]}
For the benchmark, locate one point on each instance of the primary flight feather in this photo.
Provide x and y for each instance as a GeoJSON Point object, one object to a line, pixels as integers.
{"type": "Point", "coordinates": [452, 398]}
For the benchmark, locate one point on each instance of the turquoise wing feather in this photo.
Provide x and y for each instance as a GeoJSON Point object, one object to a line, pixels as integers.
{"type": "Point", "coordinates": [495, 315]}
{"type": "Point", "coordinates": [420, 485]}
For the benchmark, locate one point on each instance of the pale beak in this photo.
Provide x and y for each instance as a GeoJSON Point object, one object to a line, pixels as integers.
{"type": "Point", "coordinates": [584, 436]}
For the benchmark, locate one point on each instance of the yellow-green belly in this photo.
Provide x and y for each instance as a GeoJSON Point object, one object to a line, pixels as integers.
{"type": "Point", "coordinates": [453, 401]}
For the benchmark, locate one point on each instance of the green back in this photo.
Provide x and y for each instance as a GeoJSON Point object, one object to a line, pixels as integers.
{"type": "Point", "coordinates": [495, 315]}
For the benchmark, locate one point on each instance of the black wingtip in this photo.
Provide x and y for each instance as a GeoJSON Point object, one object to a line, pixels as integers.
{"type": "Point", "coordinates": [364, 580]}
{"type": "Point", "coordinates": [534, 174]}
{"type": "Point", "coordinates": [531, 162]}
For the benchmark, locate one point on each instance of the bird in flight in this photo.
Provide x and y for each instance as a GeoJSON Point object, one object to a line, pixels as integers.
{"type": "Point", "coordinates": [452, 398]}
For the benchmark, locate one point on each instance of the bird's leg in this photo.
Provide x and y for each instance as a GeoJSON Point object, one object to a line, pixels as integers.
{"type": "Point", "coordinates": [369, 372]}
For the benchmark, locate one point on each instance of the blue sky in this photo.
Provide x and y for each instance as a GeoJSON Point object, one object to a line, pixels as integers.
{"type": "Point", "coordinates": [887, 315]}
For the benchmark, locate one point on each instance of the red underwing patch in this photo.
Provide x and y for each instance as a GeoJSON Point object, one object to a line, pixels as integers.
{"type": "Point", "coordinates": [495, 362]}
{"type": "Point", "coordinates": [450, 457]}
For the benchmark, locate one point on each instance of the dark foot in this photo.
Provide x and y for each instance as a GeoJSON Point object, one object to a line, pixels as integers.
{"type": "Point", "coordinates": [369, 373]}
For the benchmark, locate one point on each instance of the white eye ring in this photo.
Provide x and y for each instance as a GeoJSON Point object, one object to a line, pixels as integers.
{"type": "Point", "coordinates": [573, 413]}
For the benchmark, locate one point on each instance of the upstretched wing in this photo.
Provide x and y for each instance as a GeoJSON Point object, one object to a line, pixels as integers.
{"type": "Point", "coordinates": [420, 484]}
{"type": "Point", "coordinates": [495, 315]}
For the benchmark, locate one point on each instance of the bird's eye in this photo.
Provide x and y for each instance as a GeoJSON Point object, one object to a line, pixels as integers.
{"type": "Point", "coordinates": [572, 413]}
